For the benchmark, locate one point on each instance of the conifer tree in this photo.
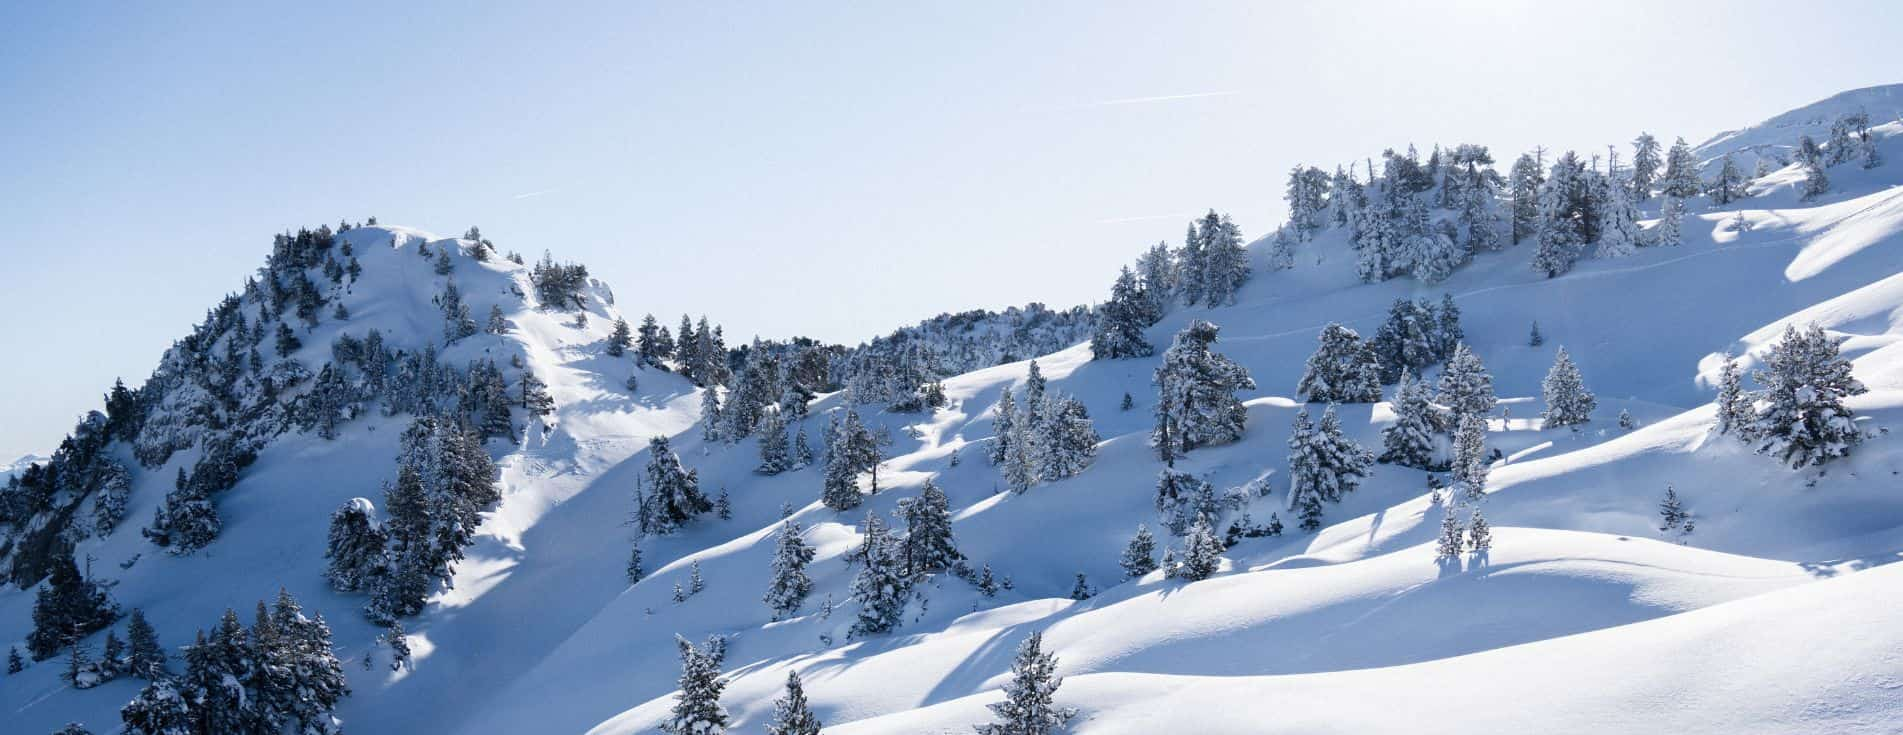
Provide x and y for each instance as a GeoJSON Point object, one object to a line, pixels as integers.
{"type": "Point", "coordinates": [1470, 464]}
{"type": "Point", "coordinates": [774, 458]}
{"type": "Point", "coordinates": [1567, 400]}
{"type": "Point", "coordinates": [1668, 230]}
{"type": "Point", "coordinates": [1410, 441]}
{"type": "Point", "coordinates": [1452, 540]}
{"type": "Point", "coordinates": [287, 341]}
{"type": "Point", "coordinates": [1803, 421]}
{"type": "Point", "coordinates": [66, 608]}
{"type": "Point", "coordinates": [1121, 320]}
{"type": "Point", "coordinates": [1323, 464]}
{"type": "Point", "coordinates": [697, 709]}
{"type": "Point", "coordinates": [1202, 553]}
{"type": "Point", "coordinates": [1196, 402]}
{"type": "Point", "coordinates": [1812, 158]}
{"type": "Point", "coordinates": [497, 324]}
{"type": "Point", "coordinates": [356, 547]}
{"type": "Point", "coordinates": [159, 709]}
{"type": "Point", "coordinates": [1465, 386]}
{"type": "Point", "coordinates": [710, 419]}
{"type": "Point", "coordinates": [789, 585]}
{"type": "Point", "coordinates": [1479, 534]}
{"type": "Point", "coordinates": [145, 658]}
{"type": "Point", "coordinates": [1535, 339]}
{"type": "Point", "coordinates": [1681, 172]}
{"type": "Point", "coordinates": [1734, 405]}
{"type": "Point", "coordinates": [1029, 706]}
{"type": "Point", "coordinates": [791, 714]}
{"type": "Point", "coordinates": [1565, 217]}
{"type": "Point", "coordinates": [1645, 166]}
{"type": "Point", "coordinates": [1406, 340]}
{"type": "Point", "coordinates": [635, 571]}
{"type": "Point", "coordinates": [1004, 417]}
{"type": "Point", "coordinates": [1225, 261]}
{"type": "Point", "coordinates": [1343, 369]}
{"type": "Point", "coordinates": [14, 664]}
{"type": "Point", "coordinates": [1066, 441]}
{"type": "Point", "coordinates": [535, 398]}
{"type": "Point", "coordinates": [928, 545]}
{"type": "Point", "coordinates": [802, 449]}
{"type": "Point", "coordinates": [620, 338]}
{"type": "Point", "coordinates": [673, 493]}
{"type": "Point", "coordinates": [1672, 515]}
{"type": "Point", "coordinates": [1729, 184]}
{"type": "Point", "coordinates": [1081, 589]}
{"type": "Point", "coordinates": [1619, 234]}
{"type": "Point", "coordinates": [881, 586]}
{"type": "Point", "coordinates": [1139, 557]}
{"type": "Point", "coordinates": [1524, 184]}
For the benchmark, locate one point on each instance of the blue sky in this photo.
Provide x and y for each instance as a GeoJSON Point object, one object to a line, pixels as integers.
{"type": "Point", "coordinates": [785, 168]}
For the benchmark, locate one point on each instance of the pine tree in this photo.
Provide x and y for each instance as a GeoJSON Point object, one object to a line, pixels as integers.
{"type": "Point", "coordinates": [697, 709]}
{"type": "Point", "coordinates": [774, 458]}
{"type": "Point", "coordinates": [145, 658]}
{"type": "Point", "coordinates": [928, 545]}
{"type": "Point", "coordinates": [635, 571]}
{"type": "Point", "coordinates": [1567, 400]}
{"type": "Point", "coordinates": [1803, 420]}
{"type": "Point", "coordinates": [695, 582]}
{"type": "Point", "coordinates": [1626, 421]}
{"type": "Point", "coordinates": [1067, 439]}
{"type": "Point", "coordinates": [497, 324]}
{"type": "Point", "coordinates": [356, 546]}
{"type": "Point", "coordinates": [1668, 230]}
{"type": "Point", "coordinates": [1672, 515]}
{"type": "Point", "coordinates": [1565, 217]}
{"type": "Point", "coordinates": [1465, 386]}
{"type": "Point", "coordinates": [287, 341]}
{"type": "Point", "coordinates": [1410, 441]}
{"type": "Point", "coordinates": [399, 643]}
{"type": "Point", "coordinates": [1139, 557]}
{"type": "Point", "coordinates": [986, 584]}
{"type": "Point", "coordinates": [1323, 464]}
{"type": "Point", "coordinates": [620, 338]}
{"type": "Point", "coordinates": [1029, 706]}
{"type": "Point", "coordinates": [1177, 496]}
{"type": "Point", "coordinates": [1202, 552]}
{"type": "Point", "coordinates": [160, 709]}
{"type": "Point", "coordinates": [1004, 417]}
{"type": "Point", "coordinates": [1645, 166]}
{"type": "Point", "coordinates": [1729, 184]}
{"type": "Point", "coordinates": [1470, 464]}
{"type": "Point", "coordinates": [1081, 589]}
{"type": "Point", "coordinates": [1734, 406]}
{"type": "Point", "coordinates": [1225, 261]}
{"type": "Point", "coordinates": [710, 418]}
{"type": "Point", "coordinates": [1524, 184]}
{"type": "Point", "coordinates": [1619, 234]}
{"type": "Point", "coordinates": [535, 398]}
{"type": "Point", "coordinates": [673, 493]}
{"type": "Point", "coordinates": [1812, 157]}
{"type": "Point", "coordinates": [1196, 402]}
{"type": "Point", "coordinates": [881, 586]}
{"type": "Point", "coordinates": [789, 585]}
{"type": "Point", "coordinates": [1407, 340]}
{"type": "Point", "coordinates": [802, 449]}
{"type": "Point", "coordinates": [14, 664]}
{"type": "Point", "coordinates": [1535, 339]}
{"type": "Point", "coordinates": [1479, 534]}
{"type": "Point", "coordinates": [1019, 470]}
{"type": "Point", "coordinates": [1121, 320]}
{"type": "Point", "coordinates": [1343, 369]}
{"type": "Point", "coordinates": [1681, 172]}
{"type": "Point", "coordinates": [66, 608]}
{"type": "Point", "coordinates": [791, 714]}
{"type": "Point", "coordinates": [1451, 537]}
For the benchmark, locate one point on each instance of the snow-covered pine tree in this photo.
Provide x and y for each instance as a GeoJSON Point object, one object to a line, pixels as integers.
{"type": "Point", "coordinates": [1121, 320]}
{"type": "Point", "coordinates": [1029, 706]}
{"type": "Point", "coordinates": [1411, 440]}
{"type": "Point", "coordinates": [1523, 189]}
{"type": "Point", "coordinates": [1323, 463]}
{"type": "Point", "coordinates": [1672, 515]}
{"type": "Point", "coordinates": [881, 586]}
{"type": "Point", "coordinates": [620, 338]}
{"type": "Point", "coordinates": [1568, 402]}
{"type": "Point", "coordinates": [1306, 195]}
{"type": "Point", "coordinates": [356, 547]}
{"type": "Point", "coordinates": [1465, 386]}
{"type": "Point", "coordinates": [1202, 553]}
{"type": "Point", "coordinates": [1479, 534]}
{"type": "Point", "coordinates": [789, 585]}
{"type": "Point", "coordinates": [1728, 185]}
{"type": "Point", "coordinates": [774, 458]}
{"type": "Point", "coordinates": [791, 713]}
{"type": "Point", "coordinates": [1004, 417]}
{"type": "Point", "coordinates": [1735, 412]}
{"type": "Point", "coordinates": [635, 571]}
{"type": "Point", "coordinates": [1452, 537]}
{"type": "Point", "coordinates": [710, 419]}
{"type": "Point", "coordinates": [928, 545]}
{"type": "Point", "coordinates": [1645, 166]}
{"type": "Point", "coordinates": [673, 493]}
{"type": "Point", "coordinates": [1343, 369]}
{"type": "Point", "coordinates": [1139, 557]}
{"type": "Point", "coordinates": [1811, 156]}
{"type": "Point", "coordinates": [66, 608]}
{"type": "Point", "coordinates": [1470, 464]}
{"type": "Point", "coordinates": [1534, 338]}
{"type": "Point", "coordinates": [159, 709]}
{"type": "Point", "coordinates": [1803, 420]}
{"type": "Point", "coordinates": [1226, 262]}
{"type": "Point", "coordinates": [1626, 421]}
{"type": "Point", "coordinates": [535, 398]}
{"type": "Point", "coordinates": [802, 449]}
{"type": "Point", "coordinates": [1671, 215]}
{"type": "Point", "coordinates": [145, 658]}
{"type": "Point", "coordinates": [186, 520]}
{"type": "Point", "coordinates": [1565, 217]}
{"type": "Point", "coordinates": [14, 663]}
{"type": "Point", "coordinates": [1619, 234]}
{"type": "Point", "coordinates": [1067, 439]}
{"type": "Point", "coordinates": [1407, 340]}
{"type": "Point", "coordinates": [1196, 390]}
{"type": "Point", "coordinates": [697, 709]}
{"type": "Point", "coordinates": [1019, 470]}
{"type": "Point", "coordinates": [1176, 499]}
{"type": "Point", "coordinates": [1681, 172]}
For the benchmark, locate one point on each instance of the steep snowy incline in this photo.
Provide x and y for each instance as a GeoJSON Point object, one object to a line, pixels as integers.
{"type": "Point", "coordinates": [1574, 510]}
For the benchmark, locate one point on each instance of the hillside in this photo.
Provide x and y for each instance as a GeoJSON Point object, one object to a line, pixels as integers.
{"type": "Point", "coordinates": [1772, 616]}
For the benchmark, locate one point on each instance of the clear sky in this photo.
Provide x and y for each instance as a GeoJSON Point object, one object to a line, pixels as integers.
{"type": "Point", "coordinates": [827, 169]}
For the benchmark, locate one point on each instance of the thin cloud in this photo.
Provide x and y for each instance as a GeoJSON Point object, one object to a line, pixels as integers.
{"type": "Point", "coordinates": [533, 194]}
{"type": "Point", "coordinates": [1165, 98]}
{"type": "Point", "coordinates": [1145, 218]}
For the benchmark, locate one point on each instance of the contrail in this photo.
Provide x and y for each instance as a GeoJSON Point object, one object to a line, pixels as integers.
{"type": "Point", "coordinates": [534, 194]}
{"type": "Point", "coordinates": [1165, 98]}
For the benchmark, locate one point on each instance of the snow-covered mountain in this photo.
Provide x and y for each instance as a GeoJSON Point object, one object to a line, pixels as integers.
{"type": "Point", "coordinates": [1776, 614]}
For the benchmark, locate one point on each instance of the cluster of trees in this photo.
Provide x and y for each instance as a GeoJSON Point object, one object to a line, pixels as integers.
{"type": "Point", "coordinates": [1196, 403]}
{"type": "Point", "coordinates": [445, 479]}
{"type": "Point", "coordinates": [1797, 414]}
{"type": "Point", "coordinates": [851, 449]}
{"type": "Point", "coordinates": [559, 285]}
{"type": "Point", "coordinates": [279, 674]}
{"type": "Point", "coordinates": [1850, 140]}
{"type": "Point", "coordinates": [39, 506]}
{"type": "Point", "coordinates": [670, 495]}
{"type": "Point", "coordinates": [1050, 437]}
{"type": "Point", "coordinates": [1208, 269]}
{"type": "Point", "coordinates": [1324, 465]}
{"type": "Point", "coordinates": [67, 608]}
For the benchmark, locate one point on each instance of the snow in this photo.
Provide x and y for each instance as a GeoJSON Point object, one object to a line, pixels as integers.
{"type": "Point", "coordinates": [1775, 615]}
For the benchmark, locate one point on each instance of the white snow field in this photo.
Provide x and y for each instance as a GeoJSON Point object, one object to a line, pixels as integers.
{"type": "Point", "coordinates": [1777, 614]}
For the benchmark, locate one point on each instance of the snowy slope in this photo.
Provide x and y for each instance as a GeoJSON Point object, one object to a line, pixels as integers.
{"type": "Point", "coordinates": [1765, 621]}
